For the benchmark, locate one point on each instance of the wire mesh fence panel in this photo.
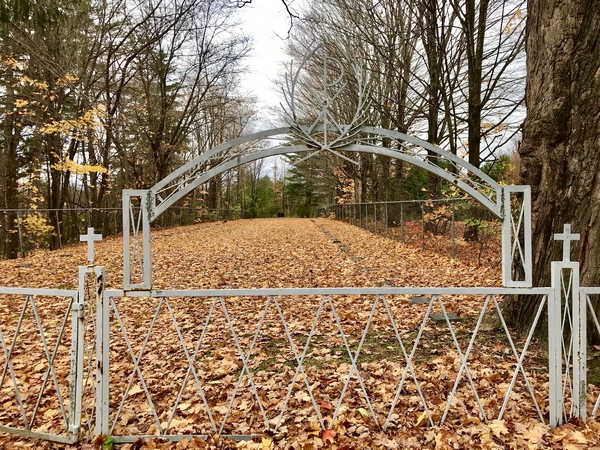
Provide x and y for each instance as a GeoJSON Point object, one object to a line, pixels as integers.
{"type": "Point", "coordinates": [298, 364]}
{"type": "Point", "coordinates": [38, 370]}
{"type": "Point", "coordinates": [23, 231]}
{"type": "Point", "coordinates": [457, 228]}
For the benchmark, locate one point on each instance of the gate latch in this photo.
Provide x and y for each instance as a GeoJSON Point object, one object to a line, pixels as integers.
{"type": "Point", "coordinates": [78, 307]}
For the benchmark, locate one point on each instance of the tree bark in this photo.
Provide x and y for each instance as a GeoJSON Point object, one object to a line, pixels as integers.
{"type": "Point", "coordinates": [561, 138]}
{"type": "Point", "coordinates": [475, 41]}
{"type": "Point", "coordinates": [12, 136]}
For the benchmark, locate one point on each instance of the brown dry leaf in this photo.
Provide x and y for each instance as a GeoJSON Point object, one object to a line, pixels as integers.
{"type": "Point", "coordinates": [287, 253]}
{"type": "Point", "coordinates": [498, 428]}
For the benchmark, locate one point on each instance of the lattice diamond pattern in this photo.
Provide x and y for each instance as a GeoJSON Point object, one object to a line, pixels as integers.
{"type": "Point", "coordinates": [325, 302]}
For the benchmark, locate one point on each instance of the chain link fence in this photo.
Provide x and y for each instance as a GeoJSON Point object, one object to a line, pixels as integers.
{"type": "Point", "coordinates": [458, 228]}
{"type": "Point", "coordinates": [36, 228]}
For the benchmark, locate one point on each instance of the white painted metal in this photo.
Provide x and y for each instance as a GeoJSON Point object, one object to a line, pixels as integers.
{"type": "Point", "coordinates": [567, 237]}
{"type": "Point", "coordinates": [555, 393]}
{"type": "Point", "coordinates": [330, 291]}
{"type": "Point", "coordinates": [71, 432]}
{"type": "Point", "coordinates": [101, 396]}
{"type": "Point", "coordinates": [353, 372]}
{"type": "Point", "coordinates": [511, 242]}
{"type": "Point", "coordinates": [131, 226]}
{"type": "Point", "coordinates": [91, 240]}
{"type": "Point", "coordinates": [579, 395]}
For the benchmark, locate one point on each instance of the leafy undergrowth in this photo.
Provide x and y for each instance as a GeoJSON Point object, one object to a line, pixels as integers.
{"type": "Point", "coordinates": [283, 253]}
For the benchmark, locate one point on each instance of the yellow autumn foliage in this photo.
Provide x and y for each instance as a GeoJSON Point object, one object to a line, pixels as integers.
{"type": "Point", "coordinates": [35, 228]}
{"type": "Point", "coordinates": [78, 169]}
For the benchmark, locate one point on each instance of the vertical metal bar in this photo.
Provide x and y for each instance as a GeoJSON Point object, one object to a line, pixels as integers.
{"type": "Point", "coordinates": [147, 241]}
{"type": "Point", "coordinates": [126, 249]}
{"type": "Point", "coordinates": [375, 216]}
{"type": "Point", "coordinates": [453, 234]}
{"type": "Point", "coordinates": [76, 425]}
{"type": "Point", "coordinates": [422, 226]}
{"type": "Point", "coordinates": [99, 288]}
{"type": "Point", "coordinates": [105, 375]}
{"type": "Point", "coordinates": [554, 348]}
{"type": "Point", "coordinates": [386, 220]}
{"type": "Point", "coordinates": [507, 240]}
{"type": "Point", "coordinates": [360, 213]}
{"type": "Point", "coordinates": [73, 372]}
{"type": "Point", "coordinates": [401, 222]}
{"type": "Point", "coordinates": [20, 234]}
{"type": "Point", "coordinates": [58, 230]}
{"type": "Point", "coordinates": [99, 367]}
{"type": "Point", "coordinates": [579, 346]}
{"type": "Point", "coordinates": [528, 263]}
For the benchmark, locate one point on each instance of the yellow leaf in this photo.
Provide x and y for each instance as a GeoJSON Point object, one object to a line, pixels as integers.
{"type": "Point", "coordinates": [363, 412]}
{"type": "Point", "coordinates": [266, 444]}
{"type": "Point", "coordinates": [421, 418]}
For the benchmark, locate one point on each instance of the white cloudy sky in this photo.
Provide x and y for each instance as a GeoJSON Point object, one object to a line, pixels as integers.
{"type": "Point", "coordinates": [267, 22]}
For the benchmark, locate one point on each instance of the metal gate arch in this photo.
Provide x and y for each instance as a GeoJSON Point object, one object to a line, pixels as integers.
{"type": "Point", "coordinates": [306, 134]}
{"type": "Point", "coordinates": [497, 198]}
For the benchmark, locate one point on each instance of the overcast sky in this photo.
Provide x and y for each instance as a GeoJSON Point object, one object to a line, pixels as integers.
{"type": "Point", "coordinates": [267, 22]}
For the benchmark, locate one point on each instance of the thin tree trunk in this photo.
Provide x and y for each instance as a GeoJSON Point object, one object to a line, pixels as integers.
{"type": "Point", "coordinates": [12, 135]}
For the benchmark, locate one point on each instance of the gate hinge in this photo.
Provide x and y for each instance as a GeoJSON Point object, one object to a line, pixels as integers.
{"type": "Point", "coordinates": [78, 307]}
{"type": "Point", "coordinates": [73, 429]}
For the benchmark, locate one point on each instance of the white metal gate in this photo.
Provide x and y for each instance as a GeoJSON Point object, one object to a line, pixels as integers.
{"type": "Point", "coordinates": [114, 324]}
{"type": "Point", "coordinates": [18, 352]}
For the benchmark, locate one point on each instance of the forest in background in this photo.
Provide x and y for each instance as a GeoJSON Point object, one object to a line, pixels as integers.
{"type": "Point", "coordinates": [100, 96]}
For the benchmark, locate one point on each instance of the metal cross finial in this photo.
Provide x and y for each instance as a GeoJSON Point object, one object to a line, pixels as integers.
{"type": "Point", "coordinates": [566, 236]}
{"type": "Point", "coordinates": [91, 239]}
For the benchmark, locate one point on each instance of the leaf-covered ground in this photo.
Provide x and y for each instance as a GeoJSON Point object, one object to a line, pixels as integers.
{"type": "Point", "coordinates": [283, 253]}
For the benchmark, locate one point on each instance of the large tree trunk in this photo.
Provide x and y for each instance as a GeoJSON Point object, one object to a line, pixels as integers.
{"type": "Point", "coordinates": [561, 137]}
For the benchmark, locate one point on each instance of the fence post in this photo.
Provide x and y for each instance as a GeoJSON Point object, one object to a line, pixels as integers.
{"type": "Point", "coordinates": [20, 234]}
{"type": "Point", "coordinates": [58, 230]}
{"type": "Point", "coordinates": [579, 348]}
{"type": "Point", "coordinates": [453, 234]}
{"type": "Point", "coordinates": [102, 354]}
{"type": "Point", "coordinates": [422, 226]}
{"type": "Point", "coordinates": [360, 214]}
{"type": "Point", "coordinates": [375, 216]}
{"type": "Point", "coordinates": [402, 222]}
{"type": "Point", "coordinates": [386, 220]}
{"type": "Point", "coordinates": [570, 288]}
{"type": "Point", "coordinates": [555, 402]}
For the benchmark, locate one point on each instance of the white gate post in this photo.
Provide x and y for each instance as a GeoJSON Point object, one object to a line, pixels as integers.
{"type": "Point", "coordinates": [512, 250]}
{"type": "Point", "coordinates": [556, 399]}
{"type": "Point", "coordinates": [570, 288]}
{"type": "Point", "coordinates": [131, 224]}
{"type": "Point", "coordinates": [579, 349]}
{"type": "Point", "coordinates": [101, 355]}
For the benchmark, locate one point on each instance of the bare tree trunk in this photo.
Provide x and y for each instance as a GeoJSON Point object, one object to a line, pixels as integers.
{"type": "Point", "coordinates": [561, 140]}
{"type": "Point", "coordinates": [12, 135]}
{"type": "Point", "coordinates": [475, 33]}
{"type": "Point", "coordinates": [214, 192]}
